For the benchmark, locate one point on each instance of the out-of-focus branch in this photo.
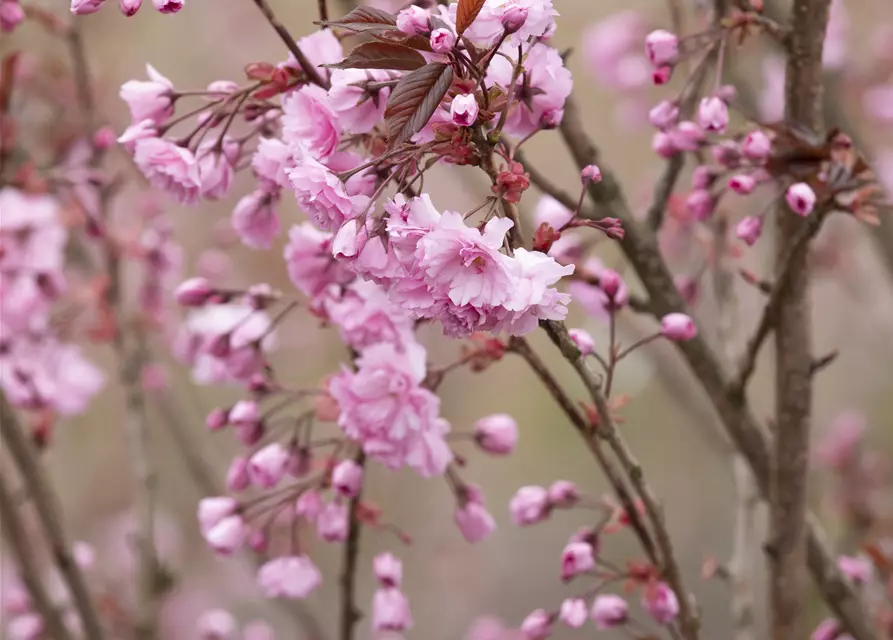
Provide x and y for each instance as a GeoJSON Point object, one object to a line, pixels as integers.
{"type": "Point", "coordinates": [640, 247]}
{"type": "Point", "coordinates": [349, 612]}
{"type": "Point", "coordinates": [292, 45]}
{"type": "Point", "coordinates": [793, 345]}
{"type": "Point", "coordinates": [46, 503]}
{"type": "Point", "coordinates": [17, 538]}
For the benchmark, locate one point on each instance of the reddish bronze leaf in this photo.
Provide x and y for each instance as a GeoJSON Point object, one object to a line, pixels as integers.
{"type": "Point", "coordinates": [414, 100]}
{"type": "Point", "coordinates": [395, 36]}
{"type": "Point", "coordinates": [382, 55]}
{"type": "Point", "coordinates": [363, 19]}
{"type": "Point", "coordinates": [466, 12]}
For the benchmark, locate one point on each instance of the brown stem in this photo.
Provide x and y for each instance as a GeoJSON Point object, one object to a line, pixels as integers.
{"type": "Point", "coordinates": [22, 450]}
{"type": "Point", "coordinates": [793, 346]}
{"type": "Point", "coordinates": [349, 612]}
{"type": "Point", "coordinates": [292, 45]}
{"type": "Point", "coordinates": [323, 10]}
{"type": "Point", "coordinates": [23, 548]}
{"type": "Point", "coordinates": [640, 248]}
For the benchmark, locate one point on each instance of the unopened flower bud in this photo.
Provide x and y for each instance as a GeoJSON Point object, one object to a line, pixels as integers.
{"type": "Point", "coordinates": [609, 611]}
{"type": "Point", "coordinates": [756, 146]}
{"type": "Point", "coordinates": [662, 48]}
{"type": "Point", "coordinates": [442, 40]}
{"type": "Point", "coordinates": [801, 198]}
{"type": "Point", "coordinates": [678, 326]}
{"type": "Point", "coordinates": [129, 7]}
{"type": "Point", "coordinates": [496, 434]}
{"type": "Point", "coordinates": [464, 110]}
{"type": "Point", "coordinates": [749, 229]}
{"type": "Point", "coordinates": [742, 184]}
{"type": "Point", "coordinates": [530, 505]}
{"type": "Point", "coordinates": [583, 340]}
{"type": "Point", "coordinates": [195, 292]}
{"type": "Point", "coordinates": [591, 173]}
{"type": "Point", "coordinates": [513, 18]}
{"type": "Point", "coordinates": [347, 478]}
{"type": "Point", "coordinates": [713, 114]}
{"type": "Point", "coordinates": [573, 612]}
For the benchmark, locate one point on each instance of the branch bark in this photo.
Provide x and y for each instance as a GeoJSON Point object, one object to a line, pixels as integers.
{"type": "Point", "coordinates": [291, 44]}
{"type": "Point", "coordinates": [640, 247]}
{"type": "Point", "coordinates": [349, 612]}
{"type": "Point", "coordinates": [793, 346]}
{"type": "Point", "coordinates": [22, 451]}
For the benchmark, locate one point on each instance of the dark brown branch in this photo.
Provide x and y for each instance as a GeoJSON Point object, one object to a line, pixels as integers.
{"type": "Point", "coordinates": [640, 248]}
{"type": "Point", "coordinates": [23, 548]}
{"type": "Point", "coordinates": [292, 45]}
{"type": "Point", "coordinates": [350, 614]}
{"type": "Point", "coordinates": [23, 452]}
{"type": "Point", "coordinates": [323, 10]}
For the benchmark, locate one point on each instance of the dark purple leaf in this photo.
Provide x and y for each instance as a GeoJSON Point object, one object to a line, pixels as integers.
{"type": "Point", "coordinates": [363, 19]}
{"type": "Point", "coordinates": [382, 55]}
{"type": "Point", "coordinates": [414, 100]}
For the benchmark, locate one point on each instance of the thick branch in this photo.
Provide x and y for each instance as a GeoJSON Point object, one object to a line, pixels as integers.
{"type": "Point", "coordinates": [350, 614]}
{"type": "Point", "coordinates": [22, 450]}
{"type": "Point", "coordinates": [292, 45]}
{"type": "Point", "coordinates": [640, 247]}
{"type": "Point", "coordinates": [23, 548]}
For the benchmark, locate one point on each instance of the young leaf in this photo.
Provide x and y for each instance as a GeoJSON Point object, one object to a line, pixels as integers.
{"type": "Point", "coordinates": [363, 19]}
{"type": "Point", "coordinates": [466, 12]}
{"type": "Point", "coordinates": [414, 100]}
{"type": "Point", "coordinates": [381, 55]}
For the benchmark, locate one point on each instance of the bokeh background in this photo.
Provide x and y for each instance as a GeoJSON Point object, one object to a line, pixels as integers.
{"type": "Point", "coordinates": [667, 422]}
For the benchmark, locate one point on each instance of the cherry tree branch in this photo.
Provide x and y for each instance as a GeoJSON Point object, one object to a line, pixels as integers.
{"type": "Point", "coordinates": [350, 614]}
{"type": "Point", "coordinates": [46, 503]}
{"type": "Point", "coordinates": [640, 247]}
{"type": "Point", "coordinates": [292, 45]}
{"type": "Point", "coordinates": [17, 538]}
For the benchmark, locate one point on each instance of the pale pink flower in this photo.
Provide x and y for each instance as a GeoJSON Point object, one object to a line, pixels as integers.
{"type": "Point", "coordinates": [756, 146]}
{"type": "Point", "coordinates": [577, 558]}
{"type": "Point", "coordinates": [271, 161]}
{"type": "Point", "coordinates": [474, 521]}
{"type": "Point", "coordinates": [321, 47]}
{"type": "Point", "coordinates": [322, 195]}
{"type": "Point", "coordinates": [388, 569]}
{"type": "Point", "coordinates": [129, 7]}
{"type": "Point", "coordinates": [27, 626]}
{"type": "Point", "coordinates": [563, 494]}
{"type": "Point", "coordinates": [530, 505]}
{"type": "Point", "coordinates": [308, 258]}
{"type": "Point", "coordinates": [347, 478]}
{"type": "Point", "coordinates": [255, 219]}
{"type": "Point", "coordinates": [86, 7]}
{"type": "Point", "coordinates": [215, 167]}
{"type": "Point", "coordinates": [168, 6]}
{"type": "Point", "coordinates": [840, 446]}
{"type": "Point", "coordinates": [414, 20]}
{"type": "Point", "coordinates": [742, 184]}
{"type": "Point", "coordinates": [366, 316]}
{"type": "Point", "coordinates": [664, 115]}
{"type": "Point", "coordinates": [583, 340]}
{"type": "Point", "coordinates": [609, 611]}
{"type": "Point", "coordinates": [497, 434]}
{"type": "Point", "coordinates": [390, 610]}
{"type": "Point", "coordinates": [216, 624]}
{"type": "Point", "coordinates": [213, 510]}
{"type": "Point", "coordinates": [135, 132]}
{"type": "Point", "coordinates": [550, 211]}
{"type": "Point", "coordinates": [268, 465]}
{"type": "Point", "coordinates": [464, 109]}
{"type": "Point", "coordinates": [532, 298]}
{"type": "Point", "coordinates": [308, 121]}
{"type": "Point", "coordinates": [801, 198]}
{"type": "Point", "coordinates": [149, 99]}
{"type": "Point", "coordinates": [771, 101]}
{"type": "Point", "coordinates": [687, 136]}
{"type": "Point", "coordinates": [464, 264]}
{"type": "Point", "coordinates": [169, 168]}
{"type": "Point", "coordinates": [537, 625]}
{"type": "Point", "coordinates": [237, 478]}
{"type": "Point", "coordinates": [309, 505]}
{"type": "Point", "coordinates": [678, 327]}
{"type": "Point", "coordinates": [514, 17]}
{"type": "Point", "coordinates": [384, 407]}
{"type": "Point", "coordinates": [591, 173]}
{"type": "Point", "coordinates": [662, 48]}
{"type": "Point", "coordinates": [660, 602]}
{"type": "Point", "coordinates": [442, 40]}
{"type": "Point", "coordinates": [358, 110]}
{"type": "Point", "coordinates": [332, 522]}
{"type": "Point", "coordinates": [227, 535]}
{"type": "Point", "coordinates": [539, 20]}
{"type": "Point", "coordinates": [573, 612]}
{"type": "Point", "coordinates": [713, 114]}
{"type": "Point", "coordinates": [749, 229]}
{"type": "Point", "coordinates": [11, 15]}
{"type": "Point", "coordinates": [292, 577]}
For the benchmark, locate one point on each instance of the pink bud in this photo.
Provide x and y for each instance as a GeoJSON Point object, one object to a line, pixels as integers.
{"type": "Point", "coordinates": [237, 478]}
{"type": "Point", "coordinates": [442, 40]}
{"type": "Point", "coordinates": [195, 292]}
{"type": "Point", "coordinates": [663, 145]}
{"type": "Point", "coordinates": [703, 177]}
{"type": "Point", "coordinates": [664, 115]}
{"type": "Point", "coordinates": [250, 433]}
{"type": "Point", "coordinates": [563, 494]}
{"type": "Point", "coordinates": [749, 229]}
{"type": "Point", "coordinates": [291, 577]}
{"type": "Point", "coordinates": [347, 478]}
{"type": "Point", "coordinates": [577, 558]}
{"type": "Point", "coordinates": [474, 521]}
{"type": "Point", "coordinates": [168, 6]}
{"type": "Point", "coordinates": [221, 89]}
{"type": "Point", "coordinates": [678, 326]}
{"type": "Point", "coordinates": [551, 119]}
{"type": "Point", "coordinates": [414, 21]}
{"type": "Point", "coordinates": [801, 198]}
{"type": "Point", "coordinates": [662, 48]}
{"type": "Point", "coordinates": [660, 602]}
{"type": "Point", "coordinates": [267, 467]}
{"type": "Point", "coordinates": [687, 136]}
{"type": "Point", "coordinates": [756, 146]}
{"type": "Point", "coordinates": [537, 625]}
{"type": "Point", "coordinates": [464, 110]}
{"type": "Point", "coordinates": [227, 535]}
{"type": "Point", "coordinates": [213, 510]}
{"type": "Point", "coordinates": [388, 569]}
{"type": "Point", "coordinates": [513, 18]}
{"type": "Point", "coordinates": [217, 419]}
{"type": "Point", "coordinates": [129, 7]}
{"type": "Point", "coordinates": [661, 75]}
{"type": "Point", "coordinates": [530, 505]}
{"type": "Point", "coordinates": [104, 137]}
{"type": "Point", "coordinates": [85, 7]}
{"type": "Point", "coordinates": [244, 412]}
{"type": "Point", "coordinates": [742, 184]}
{"type": "Point", "coordinates": [591, 173]}
{"type": "Point", "coordinates": [856, 568]}
{"type": "Point", "coordinates": [216, 624]}
{"type": "Point", "coordinates": [11, 16]}
{"type": "Point", "coordinates": [258, 541]}
{"type": "Point", "coordinates": [573, 612]}
{"type": "Point", "coordinates": [609, 611]}
{"type": "Point", "coordinates": [332, 521]}
{"type": "Point", "coordinates": [308, 505]}
{"type": "Point", "coordinates": [701, 204]}
{"type": "Point", "coordinates": [610, 282]}
{"type": "Point", "coordinates": [713, 114]}
{"type": "Point", "coordinates": [583, 340]}
{"type": "Point", "coordinates": [496, 434]}
{"type": "Point", "coordinates": [390, 610]}
{"type": "Point", "coordinates": [28, 626]}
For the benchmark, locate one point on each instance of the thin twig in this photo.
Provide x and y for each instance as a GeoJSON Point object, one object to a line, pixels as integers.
{"type": "Point", "coordinates": [542, 182]}
{"type": "Point", "coordinates": [323, 10]}
{"type": "Point", "coordinates": [350, 614]}
{"type": "Point", "coordinates": [292, 45]}
{"type": "Point", "coordinates": [23, 548]}
{"type": "Point", "coordinates": [22, 451]}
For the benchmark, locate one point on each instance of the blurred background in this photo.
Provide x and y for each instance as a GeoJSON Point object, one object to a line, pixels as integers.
{"type": "Point", "coordinates": [667, 421]}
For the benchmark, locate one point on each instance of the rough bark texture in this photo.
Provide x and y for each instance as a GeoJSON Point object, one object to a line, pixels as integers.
{"type": "Point", "coordinates": [793, 348]}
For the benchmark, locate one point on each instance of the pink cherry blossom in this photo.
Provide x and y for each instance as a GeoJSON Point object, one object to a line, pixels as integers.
{"type": "Point", "coordinates": [609, 611]}
{"type": "Point", "coordinates": [573, 612]}
{"type": "Point", "coordinates": [577, 558]}
{"type": "Point", "coordinates": [129, 7]}
{"type": "Point", "coordinates": [414, 20]}
{"type": "Point", "coordinates": [530, 505]}
{"type": "Point", "coordinates": [388, 569]}
{"type": "Point", "coordinates": [678, 326]}
{"type": "Point", "coordinates": [583, 340]}
{"type": "Point", "coordinates": [237, 478]}
{"type": "Point", "coordinates": [308, 121]}
{"type": "Point", "coordinates": [170, 168]}
{"type": "Point", "coordinates": [464, 109]}
{"type": "Point", "coordinates": [830, 629]}
{"type": "Point", "coordinates": [213, 510]}
{"type": "Point", "coordinates": [216, 624]}
{"type": "Point", "coordinates": [537, 625]}
{"type": "Point", "coordinates": [662, 48]}
{"type": "Point", "coordinates": [309, 505]}
{"type": "Point", "coordinates": [612, 50]}
{"type": "Point", "coordinates": [660, 602]}
{"type": "Point", "coordinates": [713, 114]}
{"type": "Point", "coordinates": [149, 99]}
{"type": "Point", "coordinates": [27, 626]}
{"type": "Point", "coordinates": [801, 198]}
{"type": "Point", "coordinates": [551, 212]}
{"type": "Point", "coordinates": [442, 40]}
{"type": "Point", "coordinates": [332, 522]}
{"type": "Point", "coordinates": [742, 184]}
{"type": "Point", "coordinates": [86, 7]}
{"type": "Point", "coordinates": [215, 167]}
{"type": "Point", "coordinates": [475, 523]}
{"type": "Point", "coordinates": [322, 195]}
{"type": "Point", "coordinates": [563, 494]}
{"type": "Point", "coordinates": [227, 535]}
{"type": "Point", "coordinates": [857, 568]}
{"type": "Point", "coordinates": [292, 577]}
{"type": "Point", "coordinates": [267, 466]}
{"type": "Point", "coordinates": [255, 219]}
{"type": "Point", "coordinates": [497, 434]}
{"type": "Point", "coordinates": [11, 15]}
{"type": "Point", "coordinates": [168, 6]}
{"type": "Point", "coordinates": [271, 161]}
{"type": "Point", "coordinates": [664, 115]}
{"type": "Point", "coordinates": [390, 610]}
{"type": "Point", "coordinates": [357, 109]}
{"type": "Point", "coordinates": [756, 146]}
{"type": "Point", "coordinates": [749, 229]}
{"type": "Point", "coordinates": [258, 630]}
{"type": "Point", "coordinates": [539, 20]}
{"type": "Point", "coordinates": [514, 17]}
{"type": "Point", "coordinates": [347, 478]}
{"type": "Point", "coordinates": [533, 298]}
{"type": "Point", "coordinates": [308, 258]}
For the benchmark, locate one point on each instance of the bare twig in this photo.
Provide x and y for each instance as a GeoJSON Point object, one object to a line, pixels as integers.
{"type": "Point", "coordinates": [292, 45]}
{"type": "Point", "coordinates": [350, 614]}
{"type": "Point", "coordinates": [22, 451]}
{"type": "Point", "coordinates": [23, 548]}
{"type": "Point", "coordinates": [640, 248]}
{"type": "Point", "coordinates": [323, 10]}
